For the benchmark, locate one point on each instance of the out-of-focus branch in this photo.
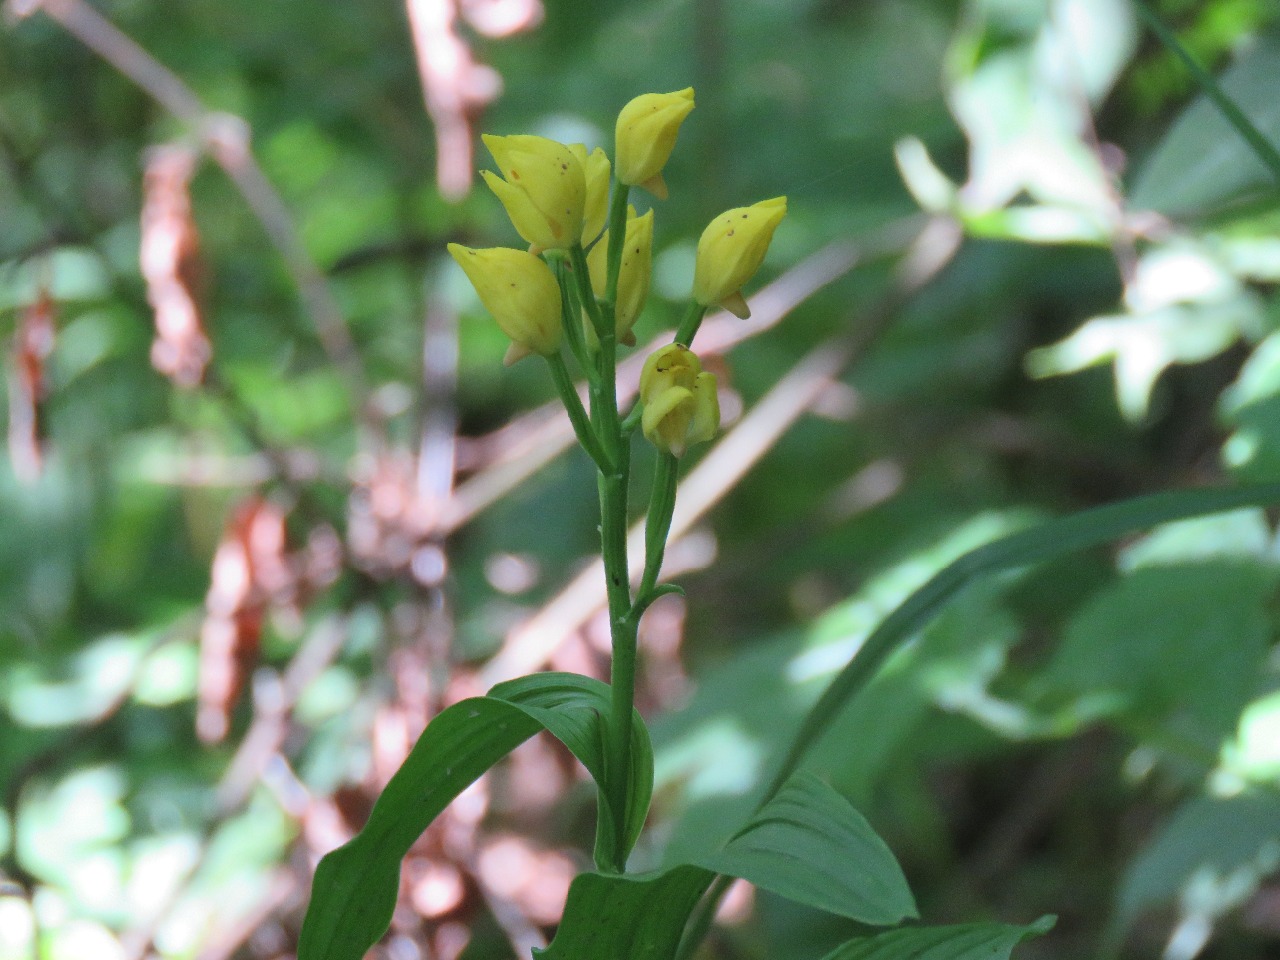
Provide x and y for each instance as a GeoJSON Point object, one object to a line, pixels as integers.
{"type": "Point", "coordinates": [227, 140]}
{"type": "Point", "coordinates": [437, 445]}
{"type": "Point", "coordinates": [454, 88]}
{"type": "Point", "coordinates": [529, 645]}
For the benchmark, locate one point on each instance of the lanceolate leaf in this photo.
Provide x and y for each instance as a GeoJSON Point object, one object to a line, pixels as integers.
{"type": "Point", "coordinates": [810, 845]}
{"type": "Point", "coordinates": [975, 941]}
{"type": "Point", "coordinates": [627, 917]}
{"type": "Point", "coordinates": [1080, 531]}
{"type": "Point", "coordinates": [577, 724]}
{"type": "Point", "coordinates": [355, 887]}
{"type": "Point", "coordinates": [1202, 163]}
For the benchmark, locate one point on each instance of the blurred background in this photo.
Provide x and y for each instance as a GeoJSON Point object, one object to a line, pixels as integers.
{"type": "Point", "coordinates": [270, 499]}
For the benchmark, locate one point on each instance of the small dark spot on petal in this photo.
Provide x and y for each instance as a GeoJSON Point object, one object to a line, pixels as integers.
{"type": "Point", "coordinates": [729, 234]}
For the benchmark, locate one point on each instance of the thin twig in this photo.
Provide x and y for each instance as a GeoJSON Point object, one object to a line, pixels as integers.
{"type": "Point", "coordinates": [226, 139]}
{"type": "Point", "coordinates": [270, 725]}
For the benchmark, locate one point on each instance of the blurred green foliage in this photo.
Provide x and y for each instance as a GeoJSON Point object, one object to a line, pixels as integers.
{"type": "Point", "coordinates": [1095, 739]}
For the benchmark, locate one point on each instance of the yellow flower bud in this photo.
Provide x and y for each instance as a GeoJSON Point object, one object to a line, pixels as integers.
{"type": "Point", "coordinates": [544, 190]}
{"type": "Point", "coordinates": [671, 366]}
{"type": "Point", "coordinates": [520, 291]}
{"type": "Point", "coordinates": [646, 135]}
{"type": "Point", "coordinates": [731, 251]}
{"type": "Point", "coordinates": [665, 421]}
{"type": "Point", "coordinates": [633, 275]}
{"type": "Point", "coordinates": [680, 403]}
{"type": "Point", "coordinates": [595, 167]}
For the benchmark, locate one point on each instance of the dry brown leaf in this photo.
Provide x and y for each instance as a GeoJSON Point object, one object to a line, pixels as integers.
{"type": "Point", "coordinates": [171, 266]}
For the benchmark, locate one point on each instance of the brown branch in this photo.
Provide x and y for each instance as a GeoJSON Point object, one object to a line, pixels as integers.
{"type": "Point", "coordinates": [226, 138]}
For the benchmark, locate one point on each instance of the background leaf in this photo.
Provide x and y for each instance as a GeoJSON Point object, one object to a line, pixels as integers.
{"type": "Point", "coordinates": [1202, 163]}
{"type": "Point", "coordinates": [1213, 843]}
{"type": "Point", "coordinates": [1172, 642]}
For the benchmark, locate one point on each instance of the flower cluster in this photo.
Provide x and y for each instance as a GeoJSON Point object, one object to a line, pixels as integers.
{"type": "Point", "coordinates": [558, 199]}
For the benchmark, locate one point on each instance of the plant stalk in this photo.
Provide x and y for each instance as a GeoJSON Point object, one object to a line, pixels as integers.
{"type": "Point", "coordinates": [577, 415]}
{"type": "Point", "coordinates": [689, 325]}
{"type": "Point", "coordinates": [612, 483]}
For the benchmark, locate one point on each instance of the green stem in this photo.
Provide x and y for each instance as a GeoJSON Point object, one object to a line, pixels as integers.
{"type": "Point", "coordinates": [617, 241]}
{"type": "Point", "coordinates": [1264, 148]}
{"type": "Point", "coordinates": [699, 924]}
{"type": "Point", "coordinates": [571, 315]}
{"type": "Point", "coordinates": [632, 419]}
{"type": "Point", "coordinates": [689, 325]}
{"type": "Point", "coordinates": [662, 504]}
{"type": "Point", "coordinates": [577, 415]}
{"type": "Point", "coordinates": [582, 276]}
{"type": "Point", "coordinates": [612, 486]}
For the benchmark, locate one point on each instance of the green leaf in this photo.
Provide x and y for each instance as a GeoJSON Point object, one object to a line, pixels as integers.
{"type": "Point", "coordinates": [974, 941]}
{"type": "Point", "coordinates": [1089, 528]}
{"type": "Point", "coordinates": [1203, 163]}
{"type": "Point", "coordinates": [1185, 640]}
{"type": "Point", "coordinates": [1213, 847]}
{"type": "Point", "coordinates": [627, 917]}
{"type": "Point", "coordinates": [581, 731]}
{"type": "Point", "coordinates": [355, 887]}
{"type": "Point", "coordinates": [810, 845]}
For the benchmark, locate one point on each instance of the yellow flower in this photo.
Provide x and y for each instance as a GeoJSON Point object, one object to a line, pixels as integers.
{"type": "Point", "coordinates": [595, 167]}
{"type": "Point", "coordinates": [544, 190]}
{"type": "Point", "coordinates": [633, 275]}
{"type": "Point", "coordinates": [520, 291]}
{"type": "Point", "coordinates": [680, 403]}
{"type": "Point", "coordinates": [731, 251]}
{"type": "Point", "coordinates": [646, 135]}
